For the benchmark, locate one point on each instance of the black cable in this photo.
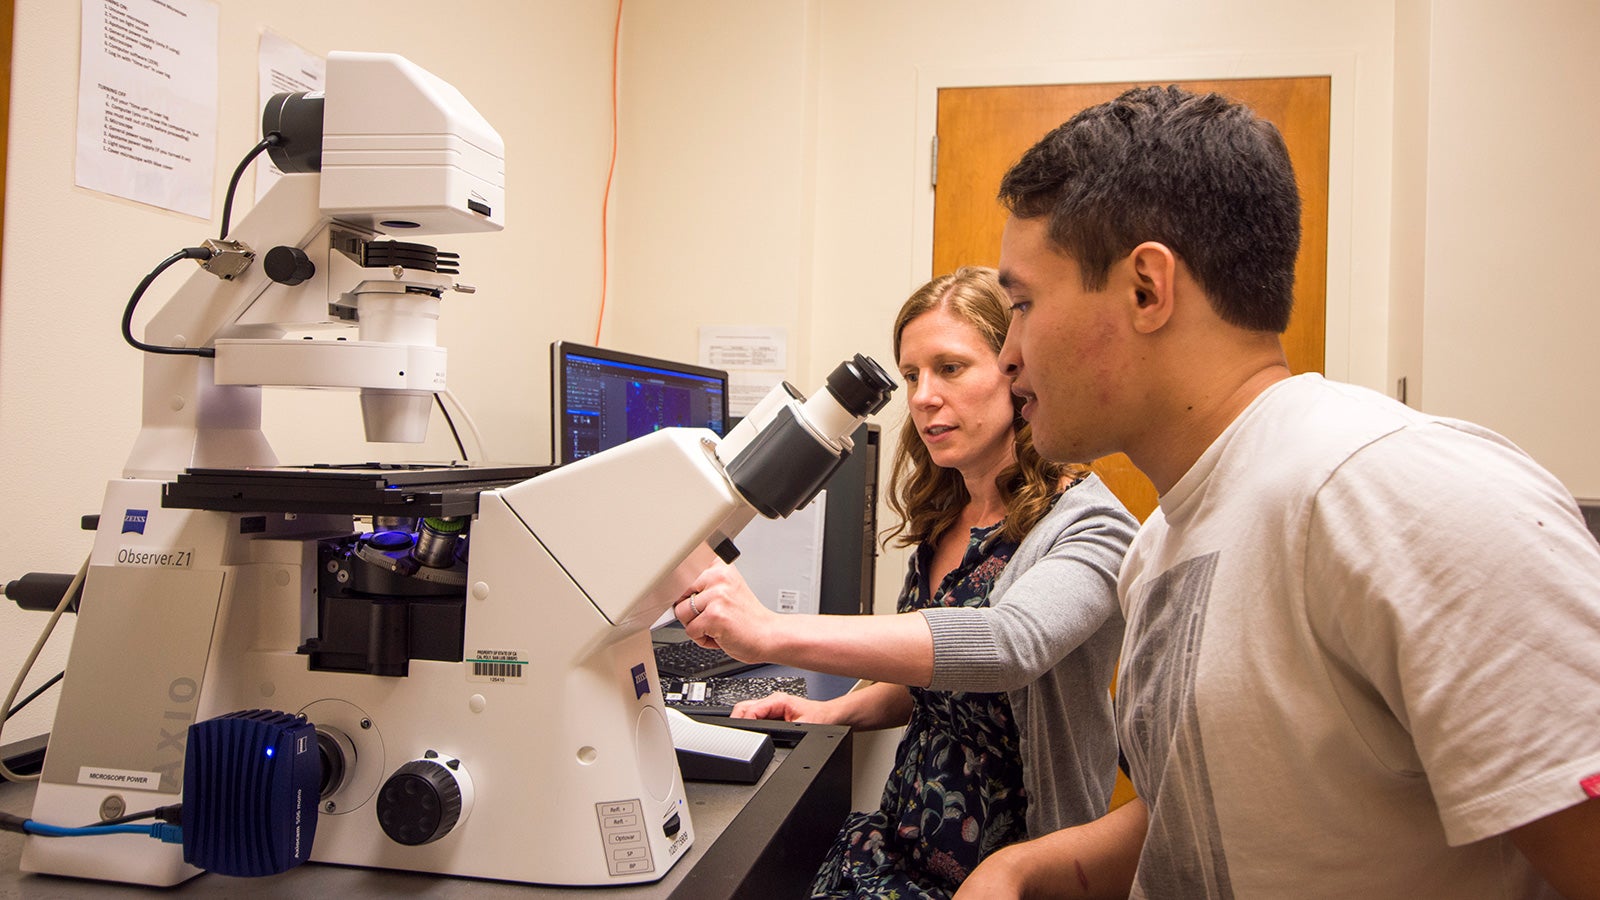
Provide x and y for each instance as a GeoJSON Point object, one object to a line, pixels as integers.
{"type": "Point", "coordinates": [460, 447]}
{"type": "Point", "coordinates": [173, 814]}
{"type": "Point", "coordinates": [34, 696]}
{"type": "Point", "coordinates": [272, 139]}
{"type": "Point", "coordinates": [133, 301]}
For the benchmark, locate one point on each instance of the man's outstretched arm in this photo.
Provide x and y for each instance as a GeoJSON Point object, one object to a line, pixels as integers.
{"type": "Point", "coordinates": [1561, 847]}
{"type": "Point", "coordinates": [1096, 859]}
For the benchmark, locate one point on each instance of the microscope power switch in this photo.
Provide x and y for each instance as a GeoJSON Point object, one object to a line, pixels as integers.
{"type": "Point", "coordinates": [420, 802]}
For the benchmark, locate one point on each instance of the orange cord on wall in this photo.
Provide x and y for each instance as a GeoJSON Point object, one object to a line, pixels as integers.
{"type": "Point", "coordinates": [605, 201]}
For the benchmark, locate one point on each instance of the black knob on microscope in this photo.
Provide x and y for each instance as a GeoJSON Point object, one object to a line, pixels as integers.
{"type": "Point", "coordinates": [419, 803]}
{"type": "Point", "coordinates": [288, 265]}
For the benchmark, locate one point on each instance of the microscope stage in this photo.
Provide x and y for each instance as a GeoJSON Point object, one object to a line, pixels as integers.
{"type": "Point", "coordinates": [388, 489]}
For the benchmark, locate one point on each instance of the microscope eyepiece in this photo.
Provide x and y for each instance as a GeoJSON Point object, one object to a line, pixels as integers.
{"type": "Point", "coordinates": [791, 451]}
{"type": "Point", "coordinates": [860, 385]}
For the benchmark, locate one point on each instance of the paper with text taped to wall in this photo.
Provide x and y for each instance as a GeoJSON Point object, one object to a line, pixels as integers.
{"type": "Point", "coordinates": [147, 102]}
{"type": "Point", "coordinates": [756, 357]}
{"type": "Point", "coordinates": [283, 67]}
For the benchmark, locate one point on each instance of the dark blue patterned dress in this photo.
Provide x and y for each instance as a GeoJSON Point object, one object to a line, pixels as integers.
{"type": "Point", "coordinates": [955, 794]}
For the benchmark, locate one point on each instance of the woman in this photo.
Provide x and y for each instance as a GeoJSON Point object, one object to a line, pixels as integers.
{"type": "Point", "coordinates": [1000, 656]}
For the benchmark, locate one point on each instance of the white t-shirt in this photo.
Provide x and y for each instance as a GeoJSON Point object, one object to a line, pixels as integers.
{"type": "Point", "coordinates": [1362, 643]}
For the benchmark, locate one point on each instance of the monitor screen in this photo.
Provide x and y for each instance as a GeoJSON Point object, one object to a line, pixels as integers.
{"type": "Point", "coordinates": [602, 398]}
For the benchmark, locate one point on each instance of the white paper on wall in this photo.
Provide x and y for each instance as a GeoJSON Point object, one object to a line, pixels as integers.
{"type": "Point", "coordinates": [754, 356]}
{"type": "Point", "coordinates": [284, 67]}
{"type": "Point", "coordinates": [147, 102]}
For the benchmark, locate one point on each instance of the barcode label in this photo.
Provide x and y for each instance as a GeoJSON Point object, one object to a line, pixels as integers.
{"type": "Point", "coordinates": [497, 665]}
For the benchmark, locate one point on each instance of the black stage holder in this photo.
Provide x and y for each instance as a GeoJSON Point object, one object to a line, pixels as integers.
{"type": "Point", "coordinates": [383, 489]}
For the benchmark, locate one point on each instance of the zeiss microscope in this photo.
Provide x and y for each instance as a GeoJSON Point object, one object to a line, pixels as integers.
{"type": "Point", "coordinates": [470, 643]}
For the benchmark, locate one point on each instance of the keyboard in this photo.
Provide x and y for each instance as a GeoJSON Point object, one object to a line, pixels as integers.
{"type": "Point", "coordinates": [686, 659]}
{"type": "Point", "coordinates": [717, 696]}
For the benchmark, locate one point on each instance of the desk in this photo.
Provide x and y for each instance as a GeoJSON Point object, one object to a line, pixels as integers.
{"type": "Point", "coordinates": [763, 841]}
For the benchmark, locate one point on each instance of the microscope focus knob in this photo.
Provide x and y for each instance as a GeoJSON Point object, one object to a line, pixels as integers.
{"type": "Point", "coordinates": [288, 265]}
{"type": "Point", "coordinates": [420, 802]}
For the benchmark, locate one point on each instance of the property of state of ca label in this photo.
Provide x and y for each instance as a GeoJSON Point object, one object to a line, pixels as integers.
{"type": "Point", "coordinates": [497, 666]}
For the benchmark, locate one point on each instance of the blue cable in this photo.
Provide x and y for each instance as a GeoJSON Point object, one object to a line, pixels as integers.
{"type": "Point", "coordinates": [163, 831]}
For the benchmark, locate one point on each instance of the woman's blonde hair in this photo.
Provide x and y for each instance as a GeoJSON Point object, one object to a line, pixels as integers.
{"type": "Point", "coordinates": [928, 498]}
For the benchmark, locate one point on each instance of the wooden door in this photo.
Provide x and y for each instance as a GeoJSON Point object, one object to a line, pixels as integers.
{"type": "Point", "coordinates": [982, 131]}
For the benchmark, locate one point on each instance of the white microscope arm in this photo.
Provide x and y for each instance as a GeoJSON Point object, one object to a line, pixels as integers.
{"type": "Point", "coordinates": [390, 146]}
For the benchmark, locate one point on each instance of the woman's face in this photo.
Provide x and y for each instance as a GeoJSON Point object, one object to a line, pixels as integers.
{"type": "Point", "coordinates": [960, 399]}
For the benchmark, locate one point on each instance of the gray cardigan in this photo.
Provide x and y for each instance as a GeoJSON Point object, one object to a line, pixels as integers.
{"type": "Point", "coordinates": [1050, 638]}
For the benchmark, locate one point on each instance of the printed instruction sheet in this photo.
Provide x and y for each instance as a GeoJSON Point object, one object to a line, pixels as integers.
{"type": "Point", "coordinates": [147, 102]}
{"type": "Point", "coordinates": [754, 356]}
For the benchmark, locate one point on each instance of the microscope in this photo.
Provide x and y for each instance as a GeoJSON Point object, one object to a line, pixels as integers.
{"type": "Point", "coordinates": [469, 644]}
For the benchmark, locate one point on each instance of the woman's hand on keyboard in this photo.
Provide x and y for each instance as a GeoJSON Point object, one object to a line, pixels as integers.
{"type": "Point", "coordinates": [787, 707]}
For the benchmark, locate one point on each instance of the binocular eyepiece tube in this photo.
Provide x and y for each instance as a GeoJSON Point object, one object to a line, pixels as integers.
{"type": "Point", "coordinates": [794, 444]}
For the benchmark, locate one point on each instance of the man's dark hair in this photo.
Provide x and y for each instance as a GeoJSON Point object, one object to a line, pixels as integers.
{"type": "Point", "coordinates": [1201, 174]}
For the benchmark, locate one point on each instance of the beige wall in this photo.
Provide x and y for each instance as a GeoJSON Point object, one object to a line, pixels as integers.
{"type": "Point", "coordinates": [1407, 281]}
{"type": "Point", "coordinates": [1508, 315]}
{"type": "Point", "coordinates": [714, 195]}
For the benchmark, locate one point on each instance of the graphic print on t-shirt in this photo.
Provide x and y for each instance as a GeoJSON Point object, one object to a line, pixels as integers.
{"type": "Point", "coordinates": [1159, 727]}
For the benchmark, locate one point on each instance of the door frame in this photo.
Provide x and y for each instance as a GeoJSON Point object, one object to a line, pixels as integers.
{"type": "Point", "coordinates": [1340, 68]}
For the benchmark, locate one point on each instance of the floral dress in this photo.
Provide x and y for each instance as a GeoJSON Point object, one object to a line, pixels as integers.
{"type": "Point", "coordinates": [955, 794]}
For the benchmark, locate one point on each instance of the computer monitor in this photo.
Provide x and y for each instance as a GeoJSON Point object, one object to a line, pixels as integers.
{"type": "Point", "coordinates": [601, 398]}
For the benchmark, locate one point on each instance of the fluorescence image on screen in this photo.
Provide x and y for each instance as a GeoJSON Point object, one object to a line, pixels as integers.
{"type": "Point", "coordinates": [603, 398]}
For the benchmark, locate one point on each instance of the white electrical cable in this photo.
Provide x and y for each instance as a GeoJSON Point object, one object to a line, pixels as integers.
{"type": "Point", "coordinates": [16, 686]}
{"type": "Point", "coordinates": [466, 419]}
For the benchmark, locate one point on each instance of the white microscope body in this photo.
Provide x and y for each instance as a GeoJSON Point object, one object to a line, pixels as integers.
{"type": "Point", "coordinates": [538, 733]}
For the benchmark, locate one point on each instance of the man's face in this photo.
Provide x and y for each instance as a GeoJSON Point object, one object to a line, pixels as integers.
{"type": "Point", "coordinates": [1067, 347]}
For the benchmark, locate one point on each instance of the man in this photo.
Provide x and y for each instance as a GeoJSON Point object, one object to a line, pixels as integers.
{"type": "Point", "coordinates": [1363, 644]}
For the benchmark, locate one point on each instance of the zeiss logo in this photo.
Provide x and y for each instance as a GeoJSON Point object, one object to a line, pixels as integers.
{"type": "Point", "coordinates": [134, 519]}
{"type": "Point", "coordinates": [641, 682]}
